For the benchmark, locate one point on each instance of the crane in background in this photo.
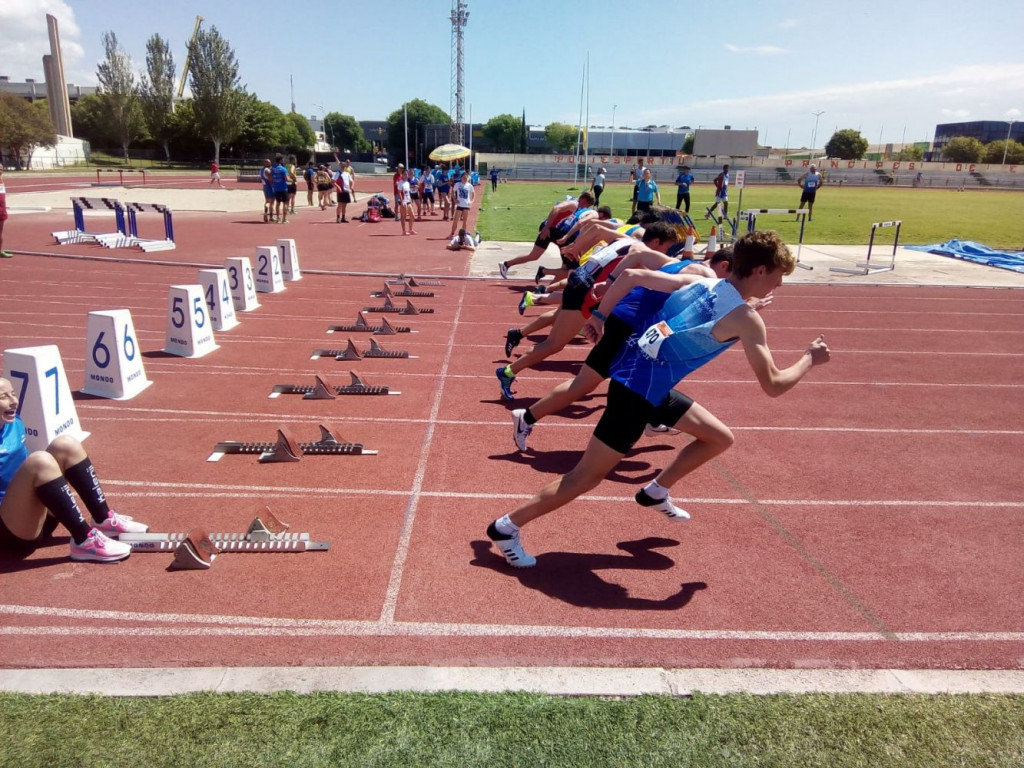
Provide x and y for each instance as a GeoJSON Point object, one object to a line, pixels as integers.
{"type": "Point", "coordinates": [188, 57]}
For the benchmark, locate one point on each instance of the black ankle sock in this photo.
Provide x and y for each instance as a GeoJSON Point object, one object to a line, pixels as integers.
{"type": "Point", "coordinates": [83, 479]}
{"type": "Point", "coordinates": [56, 497]}
{"type": "Point", "coordinates": [529, 418]}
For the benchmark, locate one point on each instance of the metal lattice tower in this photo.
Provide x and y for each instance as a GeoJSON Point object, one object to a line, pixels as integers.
{"type": "Point", "coordinates": [460, 16]}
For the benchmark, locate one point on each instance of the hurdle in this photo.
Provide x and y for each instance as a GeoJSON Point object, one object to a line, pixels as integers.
{"type": "Point", "coordinates": [120, 176]}
{"type": "Point", "coordinates": [79, 234]}
{"type": "Point", "coordinates": [866, 267]}
{"type": "Point", "coordinates": [752, 214]}
{"type": "Point", "coordinates": [134, 209]}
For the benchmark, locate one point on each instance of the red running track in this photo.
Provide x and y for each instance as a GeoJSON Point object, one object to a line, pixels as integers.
{"type": "Point", "coordinates": [870, 518]}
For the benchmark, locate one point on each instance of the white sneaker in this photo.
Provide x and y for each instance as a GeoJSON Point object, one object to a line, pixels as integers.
{"type": "Point", "coordinates": [503, 269]}
{"type": "Point", "coordinates": [511, 548]}
{"type": "Point", "coordinates": [117, 524]}
{"type": "Point", "coordinates": [653, 430]}
{"type": "Point", "coordinates": [520, 429]}
{"type": "Point", "coordinates": [98, 548]}
{"type": "Point", "coordinates": [665, 506]}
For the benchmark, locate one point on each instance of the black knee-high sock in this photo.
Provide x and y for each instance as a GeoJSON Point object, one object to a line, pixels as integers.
{"type": "Point", "coordinates": [83, 479]}
{"type": "Point", "coordinates": [529, 418]}
{"type": "Point", "coordinates": [56, 496]}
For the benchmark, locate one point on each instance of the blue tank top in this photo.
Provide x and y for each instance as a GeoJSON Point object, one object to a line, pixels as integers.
{"type": "Point", "coordinates": [677, 339]}
{"type": "Point", "coordinates": [13, 452]}
{"type": "Point", "coordinates": [640, 303]}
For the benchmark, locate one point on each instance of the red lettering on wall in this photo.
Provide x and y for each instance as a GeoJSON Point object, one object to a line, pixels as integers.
{"type": "Point", "coordinates": [558, 158]}
{"type": "Point", "coordinates": [788, 163]}
{"type": "Point", "coordinates": [805, 163]}
{"type": "Point", "coordinates": [833, 163]}
{"type": "Point", "coordinates": [1013, 169]}
{"type": "Point", "coordinates": [959, 166]}
{"type": "Point", "coordinates": [879, 164]}
{"type": "Point", "coordinates": [895, 166]}
{"type": "Point", "coordinates": [970, 168]}
{"type": "Point", "coordinates": [911, 166]}
{"type": "Point", "coordinates": [617, 160]}
{"type": "Point", "coordinates": [850, 163]}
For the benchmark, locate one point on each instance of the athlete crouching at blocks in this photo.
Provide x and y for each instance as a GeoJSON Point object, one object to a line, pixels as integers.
{"type": "Point", "coordinates": [699, 321]}
{"type": "Point", "coordinates": [35, 496]}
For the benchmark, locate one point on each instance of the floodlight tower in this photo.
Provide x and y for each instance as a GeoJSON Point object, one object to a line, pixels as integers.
{"type": "Point", "coordinates": [459, 17]}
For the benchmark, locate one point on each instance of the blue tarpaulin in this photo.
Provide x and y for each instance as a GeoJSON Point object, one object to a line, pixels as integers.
{"type": "Point", "coordinates": [976, 252]}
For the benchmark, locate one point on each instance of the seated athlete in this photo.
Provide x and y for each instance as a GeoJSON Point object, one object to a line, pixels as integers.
{"type": "Point", "coordinates": [622, 322]}
{"type": "Point", "coordinates": [35, 497]}
{"type": "Point", "coordinates": [578, 298]}
{"type": "Point", "coordinates": [559, 221]}
{"type": "Point", "coordinates": [696, 324]}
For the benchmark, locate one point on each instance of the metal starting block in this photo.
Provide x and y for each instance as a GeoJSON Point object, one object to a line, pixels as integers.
{"type": "Point", "coordinates": [361, 326]}
{"type": "Point", "coordinates": [288, 449]}
{"type": "Point", "coordinates": [321, 390]}
{"type": "Point", "coordinates": [413, 282]}
{"type": "Point", "coordinates": [408, 309]}
{"type": "Point", "coordinates": [197, 549]}
{"type": "Point", "coordinates": [348, 353]}
{"type": "Point", "coordinates": [376, 350]}
{"type": "Point", "coordinates": [406, 291]}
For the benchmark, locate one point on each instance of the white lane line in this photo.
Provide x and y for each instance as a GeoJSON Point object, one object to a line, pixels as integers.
{"type": "Point", "coordinates": [256, 626]}
{"type": "Point", "coordinates": [387, 614]}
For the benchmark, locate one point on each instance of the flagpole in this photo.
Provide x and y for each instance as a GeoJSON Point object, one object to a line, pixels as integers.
{"type": "Point", "coordinates": [586, 123]}
{"type": "Point", "coordinates": [405, 118]}
{"type": "Point", "coordinates": [579, 131]}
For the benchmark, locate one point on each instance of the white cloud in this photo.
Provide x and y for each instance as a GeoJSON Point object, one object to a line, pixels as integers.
{"type": "Point", "coordinates": [1013, 113]}
{"type": "Point", "coordinates": [24, 39]}
{"type": "Point", "coordinates": [760, 50]}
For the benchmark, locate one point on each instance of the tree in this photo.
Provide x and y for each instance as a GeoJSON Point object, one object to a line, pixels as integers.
{"type": "Point", "coordinates": [560, 136]}
{"type": "Point", "coordinates": [87, 117]}
{"type": "Point", "coordinates": [910, 153]}
{"type": "Point", "coordinates": [962, 149]}
{"type": "Point", "coordinates": [299, 136]}
{"type": "Point", "coordinates": [156, 92]}
{"type": "Point", "coordinates": [22, 128]}
{"type": "Point", "coordinates": [687, 148]}
{"type": "Point", "coordinates": [994, 152]}
{"type": "Point", "coordinates": [343, 132]}
{"type": "Point", "coordinates": [219, 99]}
{"type": "Point", "coordinates": [846, 144]}
{"type": "Point", "coordinates": [505, 132]}
{"type": "Point", "coordinates": [119, 94]}
{"type": "Point", "coordinates": [262, 128]}
{"type": "Point", "coordinates": [419, 113]}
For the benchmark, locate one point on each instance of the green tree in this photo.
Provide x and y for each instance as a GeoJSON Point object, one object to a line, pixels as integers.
{"type": "Point", "coordinates": [219, 100]}
{"type": "Point", "coordinates": [186, 139]}
{"type": "Point", "coordinates": [910, 153]}
{"type": "Point", "coordinates": [87, 117]}
{"type": "Point", "coordinates": [262, 128]}
{"type": "Point", "coordinates": [561, 137]}
{"type": "Point", "coordinates": [963, 149]}
{"type": "Point", "coordinates": [344, 133]}
{"type": "Point", "coordinates": [299, 136]}
{"type": "Point", "coordinates": [505, 132]}
{"type": "Point", "coordinates": [156, 92]}
{"type": "Point", "coordinates": [687, 148]}
{"type": "Point", "coordinates": [119, 94]}
{"type": "Point", "coordinates": [419, 113]}
{"type": "Point", "coordinates": [22, 128]}
{"type": "Point", "coordinates": [846, 144]}
{"type": "Point", "coordinates": [994, 152]}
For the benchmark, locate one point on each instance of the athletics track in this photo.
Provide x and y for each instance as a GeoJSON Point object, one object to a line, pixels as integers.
{"type": "Point", "coordinates": [871, 518]}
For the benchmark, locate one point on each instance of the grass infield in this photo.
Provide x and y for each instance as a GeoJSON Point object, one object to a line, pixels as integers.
{"type": "Point", "coordinates": [842, 215]}
{"type": "Point", "coordinates": [515, 729]}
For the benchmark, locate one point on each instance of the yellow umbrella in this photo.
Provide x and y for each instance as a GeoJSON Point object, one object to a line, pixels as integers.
{"type": "Point", "coordinates": [448, 152]}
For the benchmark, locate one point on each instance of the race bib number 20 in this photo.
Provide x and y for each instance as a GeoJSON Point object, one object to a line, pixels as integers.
{"type": "Point", "coordinates": [652, 338]}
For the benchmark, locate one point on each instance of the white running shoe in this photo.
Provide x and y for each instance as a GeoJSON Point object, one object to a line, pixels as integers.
{"type": "Point", "coordinates": [520, 429]}
{"type": "Point", "coordinates": [665, 506]}
{"type": "Point", "coordinates": [117, 524]}
{"type": "Point", "coordinates": [98, 548]}
{"type": "Point", "coordinates": [503, 270]}
{"type": "Point", "coordinates": [653, 430]}
{"type": "Point", "coordinates": [511, 548]}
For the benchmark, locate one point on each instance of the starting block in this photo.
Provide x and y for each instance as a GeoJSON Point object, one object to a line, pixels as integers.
{"type": "Point", "coordinates": [45, 404]}
{"type": "Point", "coordinates": [197, 549]}
{"type": "Point", "coordinates": [408, 309]}
{"type": "Point", "coordinates": [167, 244]}
{"type": "Point", "coordinates": [288, 449]}
{"type": "Point", "coordinates": [413, 282]}
{"type": "Point", "coordinates": [361, 326]}
{"type": "Point", "coordinates": [405, 291]}
{"type": "Point", "coordinates": [349, 353]}
{"type": "Point", "coordinates": [321, 390]}
{"type": "Point", "coordinates": [80, 205]}
{"type": "Point", "coordinates": [376, 350]}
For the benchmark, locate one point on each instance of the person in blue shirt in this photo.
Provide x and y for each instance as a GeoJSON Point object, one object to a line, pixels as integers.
{"type": "Point", "coordinates": [683, 182]}
{"type": "Point", "coordinates": [268, 191]}
{"type": "Point", "coordinates": [696, 323]}
{"type": "Point", "coordinates": [810, 182]}
{"type": "Point", "coordinates": [279, 182]}
{"type": "Point", "coordinates": [721, 195]}
{"type": "Point", "coordinates": [494, 179]}
{"type": "Point", "coordinates": [647, 192]}
{"type": "Point", "coordinates": [35, 494]}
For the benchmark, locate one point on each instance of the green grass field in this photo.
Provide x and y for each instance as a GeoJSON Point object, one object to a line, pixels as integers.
{"type": "Point", "coordinates": [463, 730]}
{"type": "Point", "coordinates": [842, 215]}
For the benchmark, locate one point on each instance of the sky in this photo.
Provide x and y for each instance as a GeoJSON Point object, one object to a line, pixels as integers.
{"type": "Point", "coordinates": [795, 70]}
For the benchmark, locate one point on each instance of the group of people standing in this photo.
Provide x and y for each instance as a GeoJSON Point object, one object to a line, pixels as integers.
{"type": "Point", "coordinates": [421, 192]}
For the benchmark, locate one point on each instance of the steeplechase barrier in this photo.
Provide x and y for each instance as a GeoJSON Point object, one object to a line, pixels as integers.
{"type": "Point", "coordinates": [120, 176]}
{"type": "Point", "coordinates": [79, 234]}
{"type": "Point", "coordinates": [167, 244]}
{"type": "Point", "coordinates": [866, 267]}
{"type": "Point", "coordinates": [752, 214]}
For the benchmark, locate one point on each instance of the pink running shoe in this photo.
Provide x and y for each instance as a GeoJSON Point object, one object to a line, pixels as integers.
{"type": "Point", "coordinates": [98, 548]}
{"type": "Point", "coordinates": [117, 524]}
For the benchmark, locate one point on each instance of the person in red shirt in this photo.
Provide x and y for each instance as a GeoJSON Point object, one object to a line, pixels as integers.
{"type": "Point", "coordinates": [215, 174]}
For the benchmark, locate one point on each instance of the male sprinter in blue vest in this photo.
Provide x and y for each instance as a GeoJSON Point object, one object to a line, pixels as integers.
{"type": "Point", "coordinates": [696, 324]}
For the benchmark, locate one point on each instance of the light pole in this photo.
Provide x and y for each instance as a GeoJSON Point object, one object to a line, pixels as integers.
{"type": "Point", "coordinates": [323, 123]}
{"type": "Point", "coordinates": [1006, 146]}
{"type": "Point", "coordinates": [611, 143]}
{"type": "Point", "coordinates": [814, 136]}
